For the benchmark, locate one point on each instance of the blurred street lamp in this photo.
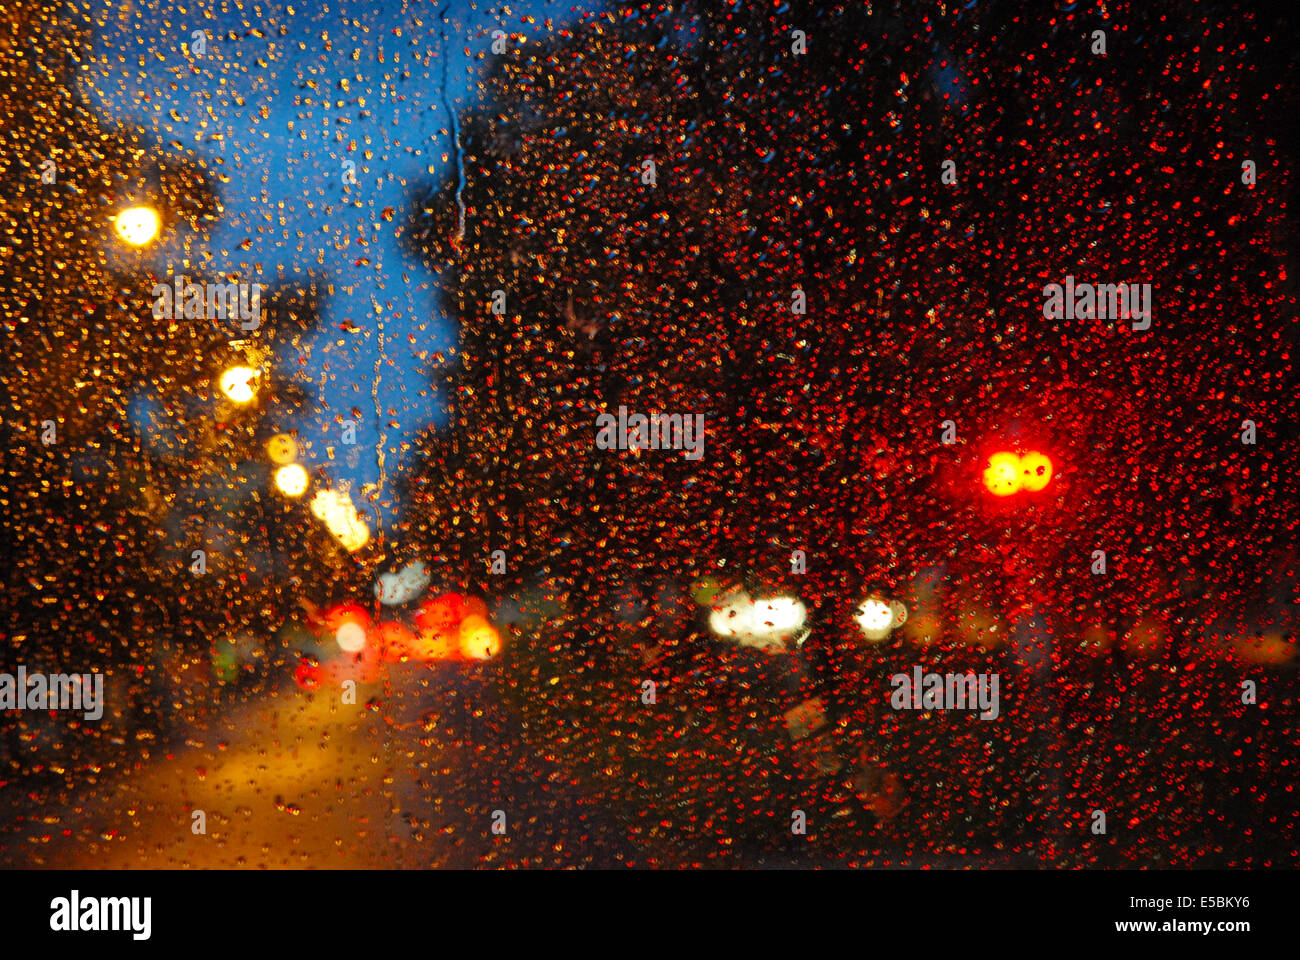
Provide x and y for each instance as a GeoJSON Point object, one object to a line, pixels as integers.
{"type": "Point", "coordinates": [877, 617]}
{"type": "Point", "coordinates": [137, 226]}
{"type": "Point", "coordinates": [237, 384]}
{"type": "Point", "coordinates": [291, 480]}
{"type": "Point", "coordinates": [874, 618]}
{"type": "Point", "coordinates": [282, 449]}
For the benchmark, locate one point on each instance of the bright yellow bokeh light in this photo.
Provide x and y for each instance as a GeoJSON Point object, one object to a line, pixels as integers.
{"type": "Point", "coordinates": [137, 225]}
{"type": "Point", "coordinates": [335, 510]}
{"type": "Point", "coordinates": [282, 449]}
{"type": "Point", "coordinates": [291, 480]}
{"type": "Point", "coordinates": [237, 384]}
{"type": "Point", "coordinates": [479, 640]}
{"type": "Point", "coordinates": [1035, 471]}
{"type": "Point", "coordinates": [1002, 475]}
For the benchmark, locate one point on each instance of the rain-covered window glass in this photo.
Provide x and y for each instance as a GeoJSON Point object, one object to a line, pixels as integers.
{"type": "Point", "coordinates": [736, 434]}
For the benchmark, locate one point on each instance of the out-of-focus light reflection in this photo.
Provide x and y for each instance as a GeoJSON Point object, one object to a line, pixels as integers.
{"type": "Point", "coordinates": [1009, 473]}
{"type": "Point", "coordinates": [396, 642]}
{"type": "Point", "coordinates": [729, 619]}
{"type": "Point", "coordinates": [777, 615]}
{"type": "Point", "coordinates": [1002, 475]}
{"type": "Point", "coordinates": [875, 618]}
{"type": "Point", "coordinates": [395, 589]}
{"type": "Point", "coordinates": [291, 480]}
{"type": "Point", "coordinates": [137, 225]}
{"type": "Point", "coordinates": [237, 384]}
{"type": "Point", "coordinates": [440, 616]}
{"type": "Point", "coordinates": [1035, 471]}
{"type": "Point", "coordinates": [282, 449]}
{"type": "Point", "coordinates": [335, 510]}
{"type": "Point", "coordinates": [351, 637]}
{"type": "Point", "coordinates": [765, 623]}
{"type": "Point", "coordinates": [479, 640]}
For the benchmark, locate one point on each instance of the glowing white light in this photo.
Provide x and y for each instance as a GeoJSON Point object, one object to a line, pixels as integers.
{"type": "Point", "coordinates": [732, 617]}
{"type": "Point", "coordinates": [351, 637]}
{"type": "Point", "coordinates": [765, 624]}
{"type": "Point", "coordinates": [335, 510]}
{"type": "Point", "coordinates": [393, 589]}
{"type": "Point", "coordinates": [900, 613]}
{"type": "Point", "coordinates": [237, 384]}
{"type": "Point", "coordinates": [137, 225]}
{"type": "Point", "coordinates": [777, 615]}
{"type": "Point", "coordinates": [291, 480]}
{"type": "Point", "coordinates": [875, 617]}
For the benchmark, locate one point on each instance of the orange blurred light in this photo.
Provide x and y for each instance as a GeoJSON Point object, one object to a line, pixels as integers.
{"type": "Point", "coordinates": [396, 642]}
{"type": "Point", "coordinates": [237, 384]}
{"type": "Point", "coordinates": [441, 647]}
{"type": "Point", "coordinates": [479, 640]}
{"type": "Point", "coordinates": [1002, 475]}
{"type": "Point", "coordinates": [441, 615]}
{"type": "Point", "coordinates": [347, 613]}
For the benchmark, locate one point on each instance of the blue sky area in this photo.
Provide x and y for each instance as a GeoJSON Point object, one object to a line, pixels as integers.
{"type": "Point", "coordinates": [282, 98]}
{"type": "Point", "coordinates": [284, 95]}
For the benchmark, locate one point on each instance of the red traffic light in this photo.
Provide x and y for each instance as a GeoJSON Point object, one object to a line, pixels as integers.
{"type": "Point", "coordinates": [1009, 473]}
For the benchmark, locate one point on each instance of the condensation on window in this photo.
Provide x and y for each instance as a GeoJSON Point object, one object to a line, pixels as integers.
{"type": "Point", "coordinates": [799, 434]}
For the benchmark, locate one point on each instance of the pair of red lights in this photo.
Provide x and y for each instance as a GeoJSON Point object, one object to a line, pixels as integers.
{"type": "Point", "coordinates": [1009, 473]}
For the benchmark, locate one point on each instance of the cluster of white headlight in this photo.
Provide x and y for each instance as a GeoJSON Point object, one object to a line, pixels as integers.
{"type": "Point", "coordinates": [877, 618]}
{"type": "Point", "coordinates": [766, 623]}
{"type": "Point", "coordinates": [770, 622]}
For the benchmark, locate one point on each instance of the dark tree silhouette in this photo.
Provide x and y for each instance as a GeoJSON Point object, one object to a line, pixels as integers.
{"type": "Point", "coordinates": [120, 455]}
{"type": "Point", "coordinates": [823, 174]}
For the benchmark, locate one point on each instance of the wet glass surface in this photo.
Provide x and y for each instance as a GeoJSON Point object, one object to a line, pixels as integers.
{"type": "Point", "coordinates": [796, 434]}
